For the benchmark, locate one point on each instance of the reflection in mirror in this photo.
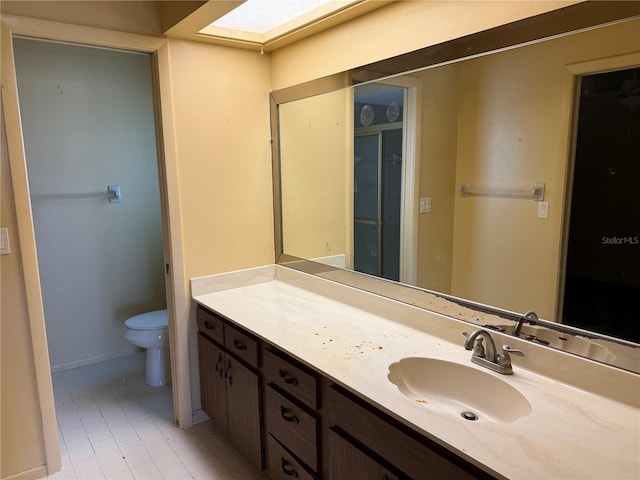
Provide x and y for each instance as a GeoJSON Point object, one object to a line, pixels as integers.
{"type": "Point", "coordinates": [602, 278]}
{"type": "Point", "coordinates": [504, 120]}
{"type": "Point", "coordinates": [377, 179]}
{"type": "Point", "coordinates": [314, 190]}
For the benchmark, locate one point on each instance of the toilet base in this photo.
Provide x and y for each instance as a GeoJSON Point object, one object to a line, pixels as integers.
{"type": "Point", "coordinates": [158, 367]}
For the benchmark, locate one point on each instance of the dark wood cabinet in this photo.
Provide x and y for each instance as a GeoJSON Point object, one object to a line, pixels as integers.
{"type": "Point", "coordinates": [292, 417]}
{"type": "Point", "coordinates": [213, 384]}
{"type": "Point", "coordinates": [230, 384]}
{"type": "Point", "coordinates": [313, 428]}
{"type": "Point", "coordinates": [397, 446]}
{"type": "Point", "coordinates": [292, 426]}
{"type": "Point", "coordinates": [243, 399]}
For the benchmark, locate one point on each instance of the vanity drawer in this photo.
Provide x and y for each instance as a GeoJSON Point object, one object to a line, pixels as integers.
{"type": "Point", "coordinates": [291, 377]}
{"type": "Point", "coordinates": [241, 344]}
{"type": "Point", "coordinates": [210, 324]}
{"type": "Point", "coordinates": [282, 465]}
{"type": "Point", "coordinates": [293, 427]}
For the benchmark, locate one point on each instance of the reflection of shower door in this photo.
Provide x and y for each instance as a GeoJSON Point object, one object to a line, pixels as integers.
{"type": "Point", "coordinates": [377, 199]}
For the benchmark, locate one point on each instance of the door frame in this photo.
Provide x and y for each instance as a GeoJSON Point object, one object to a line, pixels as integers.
{"type": "Point", "coordinates": [410, 201]}
{"type": "Point", "coordinates": [177, 289]}
{"type": "Point", "coordinates": [577, 70]}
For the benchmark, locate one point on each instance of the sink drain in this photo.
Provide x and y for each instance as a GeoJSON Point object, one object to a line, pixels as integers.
{"type": "Point", "coordinates": [469, 416]}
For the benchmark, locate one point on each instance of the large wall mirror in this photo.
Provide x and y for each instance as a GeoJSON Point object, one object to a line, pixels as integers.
{"type": "Point", "coordinates": [496, 184]}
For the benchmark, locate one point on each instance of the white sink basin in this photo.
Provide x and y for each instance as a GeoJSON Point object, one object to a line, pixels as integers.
{"type": "Point", "coordinates": [570, 343]}
{"type": "Point", "coordinates": [454, 388]}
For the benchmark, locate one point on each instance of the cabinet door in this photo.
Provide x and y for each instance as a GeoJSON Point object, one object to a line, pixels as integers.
{"type": "Point", "coordinates": [244, 410]}
{"type": "Point", "coordinates": [418, 458]}
{"type": "Point", "coordinates": [348, 461]}
{"type": "Point", "coordinates": [213, 386]}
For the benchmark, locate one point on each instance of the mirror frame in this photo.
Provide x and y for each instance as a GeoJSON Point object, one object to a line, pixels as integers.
{"type": "Point", "coordinates": [565, 21]}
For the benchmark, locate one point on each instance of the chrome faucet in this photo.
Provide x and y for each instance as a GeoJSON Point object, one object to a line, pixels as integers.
{"type": "Point", "coordinates": [487, 357]}
{"type": "Point", "coordinates": [529, 317]}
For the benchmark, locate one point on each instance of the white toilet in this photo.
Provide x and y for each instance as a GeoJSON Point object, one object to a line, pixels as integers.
{"type": "Point", "coordinates": [150, 330]}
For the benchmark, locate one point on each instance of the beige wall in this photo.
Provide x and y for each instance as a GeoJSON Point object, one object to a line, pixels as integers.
{"type": "Point", "coordinates": [314, 175]}
{"type": "Point", "coordinates": [437, 176]}
{"type": "Point", "coordinates": [220, 102]}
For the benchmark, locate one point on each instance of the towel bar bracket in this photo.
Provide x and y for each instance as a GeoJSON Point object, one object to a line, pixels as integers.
{"type": "Point", "coordinates": [115, 190]}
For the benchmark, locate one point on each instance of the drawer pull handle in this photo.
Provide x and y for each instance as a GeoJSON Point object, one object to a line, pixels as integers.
{"type": "Point", "coordinates": [219, 365]}
{"type": "Point", "coordinates": [239, 345]}
{"type": "Point", "coordinates": [286, 414]}
{"type": "Point", "coordinates": [288, 379]}
{"type": "Point", "coordinates": [208, 325]}
{"type": "Point", "coordinates": [288, 469]}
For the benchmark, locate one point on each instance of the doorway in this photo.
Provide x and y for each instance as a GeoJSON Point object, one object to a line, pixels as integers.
{"type": "Point", "coordinates": [602, 277]}
{"type": "Point", "coordinates": [379, 147]}
{"type": "Point", "coordinates": [88, 122]}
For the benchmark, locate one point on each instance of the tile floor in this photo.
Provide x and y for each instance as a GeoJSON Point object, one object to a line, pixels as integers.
{"type": "Point", "coordinates": [114, 426]}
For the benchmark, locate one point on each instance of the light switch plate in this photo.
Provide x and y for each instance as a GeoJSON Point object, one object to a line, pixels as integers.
{"type": "Point", "coordinates": [543, 209]}
{"type": "Point", "coordinates": [425, 205]}
{"type": "Point", "coordinates": [5, 248]}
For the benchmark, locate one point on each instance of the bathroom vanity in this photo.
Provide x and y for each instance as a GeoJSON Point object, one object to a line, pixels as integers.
{"type": "Point", "coordinates": [332, 382]}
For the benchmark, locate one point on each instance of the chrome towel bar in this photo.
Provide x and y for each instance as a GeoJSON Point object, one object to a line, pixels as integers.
{"type": "Point", "coordinates": [534, 193]}
{"type": "Point", "coordinates": [112, 193]}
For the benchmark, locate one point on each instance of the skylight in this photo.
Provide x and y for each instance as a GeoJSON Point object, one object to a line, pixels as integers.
{"type": "Point", "coordinates": [260, 16]}
{"type": "Point", "coordinates": [274, 23]}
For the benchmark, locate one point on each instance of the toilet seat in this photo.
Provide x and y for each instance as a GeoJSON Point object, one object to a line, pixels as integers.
{"type": "Point", "coordinates": [148, 321]}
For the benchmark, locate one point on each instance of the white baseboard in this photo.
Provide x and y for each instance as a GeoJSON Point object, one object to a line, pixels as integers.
{"type": "Point", "coordinates": [95, 359]}
{"type": "Point", "coordinates": [198, 416]}
{"type": "Point", "coordinates": [31, 474]}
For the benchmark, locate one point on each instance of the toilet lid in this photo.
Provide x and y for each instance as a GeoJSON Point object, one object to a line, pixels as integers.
{"type": "Point", "coordinates": [148, 321]}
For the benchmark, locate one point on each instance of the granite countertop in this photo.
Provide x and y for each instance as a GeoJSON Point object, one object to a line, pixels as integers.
{"type": "Point", "coordinates": [352, 337]}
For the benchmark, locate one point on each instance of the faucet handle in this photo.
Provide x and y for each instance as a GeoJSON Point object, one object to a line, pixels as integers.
{"type": "Point", "coordinates": [506, 349]}
{"type": "Point", "coordinates": [504, 359]}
